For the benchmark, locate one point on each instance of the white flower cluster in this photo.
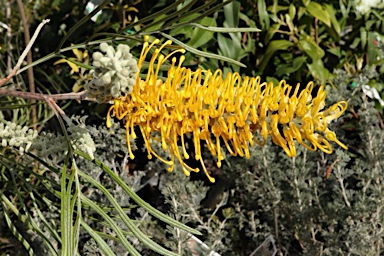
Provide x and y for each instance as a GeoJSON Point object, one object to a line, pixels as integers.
{"type": "Point", "coordinates": [364, 6]}
{"type": "Point", "coordinates": [55, 146]}
{"type": "Point", "coordinates": [14, 135]}
{"type": "Point", "coordinates": [114, 74]}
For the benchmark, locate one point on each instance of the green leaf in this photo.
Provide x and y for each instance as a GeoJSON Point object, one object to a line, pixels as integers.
{"type": "Point", "coordinates": [168, 17]}
{"type": "Point", "coordinates": [292, 11]}
{"type": "Point", "coordinates": [154, 212]}
{"type": "Point", "coordinates": [372, 49]}
{"type": "Point", "coordinates": [201, 36]}
{"type": "Point", "coordinates": [318, 70]}
{"type": "Point", "coordinates": [317, 11]}
{"type": "Point", "coordinates": [226, 30]}
{"type": "Point", "coordinates": [332, 14]}
{"type": "Point", "coordinates": [112, 224]}
{"type": "Point", "coordinates": [277, 8]}
{"type": "Point", "coordinates": [309, 46]}
{"type": "Point", "coordinates": [273, 46]}
{"type": "Point", "coordinates": [335, 51]}
{"type": "Point", "coordinates": [152, 16]}
{"type": "Point", "coordinates": [81, 22]}
{"type": "Point", "coordinates": [271, 32]}
{"type": "Point", "coordinates": [248, 21]}
{"type": "Point", "coordinates": [103, 245]}
{"type": "Point", "coordinates": [231, 14]}
{"type": "Point", "coordinates": [263, 14]}
{"type": "Point", "coordinates": [127, 221]}
{"type": "Point", "coordinates": [285, 69]}
{"type": "Point", "coordinates": [227, 47]}
{"type": "Point", "coordinates": [273, 80]}
{"type": "Point", "coordinates": [363, 36]}
{"type": "Point", "coordinates": [306, 2]}
{"type": "Point", "coordinates": [201, 53]}
{"type": "Point", "coordinates": [184, 30]}
{"type": "Point", "coordinates": [6, 203]}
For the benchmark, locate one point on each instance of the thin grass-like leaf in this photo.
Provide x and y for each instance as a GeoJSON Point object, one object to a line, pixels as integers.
{"type": "Point", "coordinates": [81, 22]}
{"type": "Point", "coordinates": [80, 64]}
{"type": "Point", "coordinates": [152, 16]}
{"type": "Point", "coordinates": [15, 232]}
{"type": "Point", "coordinates": [52, 231]}
{"type": "Point", "coordinates": [112, 224]}
{"type": "Point", "coordinates": [201, 53]}
{"type": "Point", "coordinates": [200, 17]}
{"type": "Point", "coordinates": [154, 212]}
{"type": "Point", "coordinates": [111, 37]}
{"type": "Point", "coordinates": [27, 218]}
{"type": "Point", "coordinates": [225, 30]}
{"type": "Point", "coordinates": [170, 16]}
{"type": "Point", "coordinates": [198, 9]}
{"type": "Point", "coordinates": [103, 245]}
{"type": "Point", "coordinates": [57, 54]}
{"type": "Point", "coordinates": [65, 214]}
{"type": "Point", "coordinates": [76, 201]}
{"type": "Point", "coordinates": [144, 239]}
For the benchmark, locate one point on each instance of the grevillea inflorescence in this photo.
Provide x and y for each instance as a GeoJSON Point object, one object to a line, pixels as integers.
{"type": "Point", "coordinates": [228, 111]}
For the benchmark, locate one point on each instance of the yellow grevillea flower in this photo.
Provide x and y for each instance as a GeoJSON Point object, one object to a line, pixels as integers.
{"type": "Point", "coordinates": [219, 110]}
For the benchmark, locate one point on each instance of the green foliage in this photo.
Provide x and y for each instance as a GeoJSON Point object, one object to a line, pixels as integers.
{"type": "Point", "coordinates": [309, 39]}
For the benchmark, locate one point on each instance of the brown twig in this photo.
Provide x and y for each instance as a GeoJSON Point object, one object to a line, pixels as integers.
{"type": "Point", "coordinates": [31, 79]}
{"type": "Point", "coordinates": [26, 50]}
{"type": "Point", "coordinates": [9, 35]}
{"type": "Point", "coordinates": [45, 97]}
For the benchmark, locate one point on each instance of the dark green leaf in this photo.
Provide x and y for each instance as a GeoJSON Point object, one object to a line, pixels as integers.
{"type": "Point", "coordinates": [309, 46]}
{"type": "Point", "coordinates": [273, 46]}
{"type": "Point", "coordinates": [231, 14]}
{"type": "Point", "coordinates": [317, 11]}
{"type": "Point", "coordinates": [290, 68]}
{"type": "Point", "coordinates": [200, 36]}
{"type": "Point", "coordinates": [263, 14]}
{"type": "Point", "coordinates": [318, 70]}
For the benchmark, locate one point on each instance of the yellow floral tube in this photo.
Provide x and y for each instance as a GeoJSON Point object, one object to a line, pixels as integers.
{"type": "Point", "coordinates": [229, 111]}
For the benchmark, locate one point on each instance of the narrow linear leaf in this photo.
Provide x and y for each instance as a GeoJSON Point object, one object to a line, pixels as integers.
{"type": "Point", "coordinates": [103, 245]}
{"type": "Point", "coordinates": [201, 16]}
{"type": "Point", "coordinates": [201, 53]}
{"type": "Point", "coordinates": [52, 231]}
{"type": "Point", "coordinates": [27, 218]}
{"type": "Point", "coordinates": [178, 13]}
{"type": "Point", "coordinates": [225, 30]}
{"type": "Point", "coordinates": [73, 63]}
{"type": "Point", "coordinates": [154, 212]}
{"type": "Point", "coordinates": [16, 233]}
{"type": "Point", "coordinates": [81, 22]}
{"type": "Point", "coordinates": [75, 201]}
{"type": "Point", "coordinates": [127, 221]}
{"type": "Point", "coordinates": [152, 16]}
{"type": "Point", "coordinates": [65, 215]}
{"type": "Point", "coordinates": [199, 36]}
{"type": "Point", "coordinates": [112, 224]}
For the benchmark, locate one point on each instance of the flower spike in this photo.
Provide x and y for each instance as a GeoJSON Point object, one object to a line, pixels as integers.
{"type": "Point", "coordinates": [222, 112]}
